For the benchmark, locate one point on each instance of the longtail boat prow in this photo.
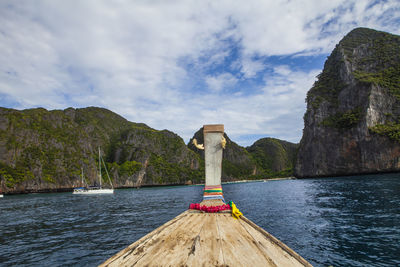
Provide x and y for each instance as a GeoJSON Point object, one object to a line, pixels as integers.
{"type": "Point", "coordinates": [210, 233]}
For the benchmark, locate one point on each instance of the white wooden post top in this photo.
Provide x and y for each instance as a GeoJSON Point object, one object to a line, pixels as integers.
{"type": "Point", "coordinates": [213, 135]}
{"type": "Point", "coordinates": [213, 128]}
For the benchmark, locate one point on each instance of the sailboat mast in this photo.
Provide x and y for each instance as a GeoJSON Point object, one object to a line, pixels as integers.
{"type": "Point", "coordinates": [82, 175]}
{"type": "Point", "coordinates": [100, 167]}
{"type": "Point", "coordinates": [105, 167]}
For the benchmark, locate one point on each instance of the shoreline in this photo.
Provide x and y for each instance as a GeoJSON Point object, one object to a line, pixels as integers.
{"type": "Point", "coordinates": [70, 189]}
{"type": "Point", "coordinates": [260, 180]}
{"type": "Point", "coordinates": [65, 190]}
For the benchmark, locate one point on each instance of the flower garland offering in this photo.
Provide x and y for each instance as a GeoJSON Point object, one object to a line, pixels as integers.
{"type": "Point", "coordinates": [209, 209]}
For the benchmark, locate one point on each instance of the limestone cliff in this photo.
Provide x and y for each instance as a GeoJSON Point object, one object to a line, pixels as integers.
{"type": "Point", "coordinates": [267, 157]}
{"type": "Point", "coordinates": [274, 157]}
{"type": "Point", "coordinates": [352, 122]}
{"type": "Point", "coordinates": [44, 150]}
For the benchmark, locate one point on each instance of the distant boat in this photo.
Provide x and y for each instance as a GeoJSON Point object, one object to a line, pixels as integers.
{"type": "Point", "coordinates": [89, 190]}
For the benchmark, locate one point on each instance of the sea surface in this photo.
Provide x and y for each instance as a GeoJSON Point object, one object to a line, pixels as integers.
{"type": "Point", "coordinates": [346, 221]}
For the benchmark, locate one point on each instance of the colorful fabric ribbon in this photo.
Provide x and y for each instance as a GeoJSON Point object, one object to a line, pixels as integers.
{"type": "Point", "coordinates": [213, 192]}
{"type": "Point", "coordinates": [235, 211]}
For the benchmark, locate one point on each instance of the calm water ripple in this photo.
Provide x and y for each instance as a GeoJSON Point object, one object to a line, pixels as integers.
{"type": "Point", "coordinates": [347, 221]}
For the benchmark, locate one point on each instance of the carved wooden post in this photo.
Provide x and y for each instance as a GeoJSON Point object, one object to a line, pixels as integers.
{"type": "Point", "coordinates": [213, 135]}
{"type": "Point", "coordinates": [213, 148]}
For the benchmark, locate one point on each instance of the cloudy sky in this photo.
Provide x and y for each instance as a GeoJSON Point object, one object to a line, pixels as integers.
{"type": "Point", "coordinates": [179, 64]}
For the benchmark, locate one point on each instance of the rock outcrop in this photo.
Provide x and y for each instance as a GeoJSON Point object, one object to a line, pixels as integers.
{"type": "Point", "coordinates": [267, 157]}
{"type": "Point", "coordinates": [274, 157]}
{"type": "Point", "coordinates": [352, 122]}
{"type": "Point", "coordinates": [44, 150]}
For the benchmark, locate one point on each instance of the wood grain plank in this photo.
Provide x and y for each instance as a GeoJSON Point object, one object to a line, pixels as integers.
{"type": "Point", "coordinates": [175, 244]}
{"type": "Point", "coordinates": [135, 251]}
{"type": "Point", "coordinates": [207, 250]}
{"type": "Point", "coordinates": [273, 247]}
{"type": "Point", "coordinates": [238, 245]}
{"type": "Point", "coordinates": [207, 239]}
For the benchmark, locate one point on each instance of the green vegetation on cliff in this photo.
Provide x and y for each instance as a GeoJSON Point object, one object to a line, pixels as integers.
{"type": "Point", "coordinates": [381, 64]}
{"type": "Point", "coordinates": [375, 57]}
{"type": "Point", "coordinates": [343, 120]}
{"type": "Point", "coordinates": [39, 144]}
{"type": "Point", "coordinates": [352, 106]}
{"type": "Point", "coordinates": [128, 168]}
{"type": "Point", "coordinates": [274, 157]}
{"type": "Point", "coordinates": [46, 150]}
{"type": "Point", "coordinates": [166, 172]}
{"type": "Point", "coordinates": [237, 163]}
{"type": "Point", "coordinates": [329, 84]}
{"type": "Point", "coordinates": [267, 157]}
{"type": "Point", "coordinates": [12, 176]}
{"type": "Point", "coordinates": [381, 67]}
{"type": "Point", "coordinates": [390, 129]}
{"type": "Point", "coordinates": [372, 57]}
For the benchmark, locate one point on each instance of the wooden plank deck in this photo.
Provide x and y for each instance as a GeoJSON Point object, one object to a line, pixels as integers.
{"type": "Point", "coordinates": [207, 239]}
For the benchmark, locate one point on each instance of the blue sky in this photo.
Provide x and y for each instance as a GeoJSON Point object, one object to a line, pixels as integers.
{"type": "Point", "coordinates": [177, 65]}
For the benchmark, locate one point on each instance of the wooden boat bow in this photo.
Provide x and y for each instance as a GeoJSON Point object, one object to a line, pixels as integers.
{"type": "Point", "coordinates": [198, 238]}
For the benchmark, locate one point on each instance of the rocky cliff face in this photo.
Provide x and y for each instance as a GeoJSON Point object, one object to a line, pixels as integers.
{"type": "Point", "coordinates": [163, 157]}
{"type": "Point", "coordinates": [44, 150]}
{"type": "Point", "coordinates": [352, 121]}
{"type": "Point", "coordinates": [267, 157]}
{"type": "Point", "coordinates": [274, 157]}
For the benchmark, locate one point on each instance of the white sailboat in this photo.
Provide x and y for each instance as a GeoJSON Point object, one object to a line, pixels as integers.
{"type": "Point", "coordinates": [96, 189]}
{"type": "Point", "coordinates": [83, 188]}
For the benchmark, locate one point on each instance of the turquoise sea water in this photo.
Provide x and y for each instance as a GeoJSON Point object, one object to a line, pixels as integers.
{"type": "Point", "coordinates": [346, 221]}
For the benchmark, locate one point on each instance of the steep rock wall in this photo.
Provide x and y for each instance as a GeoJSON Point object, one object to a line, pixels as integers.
{"type": "Point", "coordinates": [274, 157]}
{"type": "Point", "coordinates": [267, 157]}
{"type": "Point", "coordinates": [351, 123]}
{"type": "Point", "coordinates": [44, 150]}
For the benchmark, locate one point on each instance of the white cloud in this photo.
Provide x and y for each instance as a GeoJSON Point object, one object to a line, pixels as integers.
{"type": "Point", "coordinates": [283, 70]}
{"type": "Point", "coordinates": [250, 68]}
{"type": "Point", "coordinates": [152, 61]}
{"type": "Point", "coordinates": [221, 81]}
{"type": "Point", "coordinates": [276, 111]}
